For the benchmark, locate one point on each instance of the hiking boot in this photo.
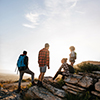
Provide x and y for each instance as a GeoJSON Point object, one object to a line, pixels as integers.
{"type": "Point", "coordinates": [33, 84]}
{"type": "Point", "coordinates": [18, 90]}
{"type": "Point", "coordinates": [39, 83]}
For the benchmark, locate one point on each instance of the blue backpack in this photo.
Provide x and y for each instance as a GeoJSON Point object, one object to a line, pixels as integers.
{"type": "Point", "coordinates": [20, 62]}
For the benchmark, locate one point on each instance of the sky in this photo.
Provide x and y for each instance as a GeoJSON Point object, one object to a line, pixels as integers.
{"type": "Point", "coordinates": [29, 24]}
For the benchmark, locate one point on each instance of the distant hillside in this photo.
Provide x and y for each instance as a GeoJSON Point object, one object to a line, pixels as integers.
{"type": "Point", "coordinates": [91, 62]}
{"type": "Point", "coordinates": [8, 77]}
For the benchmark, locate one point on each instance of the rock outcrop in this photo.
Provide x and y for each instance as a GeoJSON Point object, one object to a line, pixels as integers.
{"type": "Point", "coordinates": [74, 84]}
{"type": "Point", "coordinates": [97, 86]}
{"type": "Point", "coordinates": [58, 92]}
{"type": "Point", "coordinates": [36, 92]}
{"type": "Point", "coordinates": [9, 95]}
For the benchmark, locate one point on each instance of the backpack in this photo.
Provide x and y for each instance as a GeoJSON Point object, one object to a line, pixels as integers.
{"type": "Point", "coordinates": [71, 69]}
{"type": "Point", "coordinates": [75, 55]}
{"type": "Point", "coordinates": [20, 63]}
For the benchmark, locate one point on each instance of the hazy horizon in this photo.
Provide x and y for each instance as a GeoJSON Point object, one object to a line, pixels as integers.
{"type": "Point", "coordinates": [11, 76]}
{"type": "Point", "coordinates": [4, 71]}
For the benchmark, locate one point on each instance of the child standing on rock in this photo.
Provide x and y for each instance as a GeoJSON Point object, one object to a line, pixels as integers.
{"type": "Point", "coordinates": [72, 55]}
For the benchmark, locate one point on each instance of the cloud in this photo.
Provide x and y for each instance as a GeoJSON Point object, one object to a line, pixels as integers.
{"type": "Point", "coordinates": [53, 10]}
{"type": "Point", "coordinates": [74, 4]}
{"type": "Point", "coordinates": [56, 4]}
{"type": "Point", "coordinates": [33, 19]}
{"type": "Point", "coordinates": [29, 26]}
{"type": "Point", "coordinates": [60, 8]}
{"type": "Point", "coordinates": [80, 12]}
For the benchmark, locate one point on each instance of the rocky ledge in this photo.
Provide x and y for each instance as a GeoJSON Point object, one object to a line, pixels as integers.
{"type": "Point", "coordinates": [74, 84]}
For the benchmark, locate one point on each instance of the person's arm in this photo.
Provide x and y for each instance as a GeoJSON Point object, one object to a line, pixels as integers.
{"type": "Point", "coordinates": [38, 57]}
{"type": "Point", "coordinates": [47, 59]}
{"type": "Point", "coordinates": [60, 68]}
{"type": "Point", "coordinates": [26, 61]}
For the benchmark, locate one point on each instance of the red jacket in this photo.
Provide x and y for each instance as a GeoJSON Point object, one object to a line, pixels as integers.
{"type": "Point", "coordinates": [43, 57]}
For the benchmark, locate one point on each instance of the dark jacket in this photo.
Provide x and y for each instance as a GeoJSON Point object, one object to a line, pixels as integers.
{"type": "Point", "coordinates": [26, 61]}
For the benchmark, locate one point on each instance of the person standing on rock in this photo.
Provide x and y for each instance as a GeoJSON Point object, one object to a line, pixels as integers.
{"type": "Point", "coordinates": [43, 61]}
{"type": "Point", "coordinates": [22, 65]}
{"type": "Point", "coordinates": [72, 55]}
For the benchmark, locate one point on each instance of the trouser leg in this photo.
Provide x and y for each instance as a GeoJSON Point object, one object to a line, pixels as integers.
{"type": "Point", "coordinates": [63, 76]}
{"type": "Point", "coordinates": [56, 75]}
{"type": "Point", "coordinates": [20, 79]}
{"type": "Point", "coordinates": [28, 71]}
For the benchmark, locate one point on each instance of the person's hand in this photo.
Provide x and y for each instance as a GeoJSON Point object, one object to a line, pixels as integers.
{"type": "Point", "coordinates": [48, 67]}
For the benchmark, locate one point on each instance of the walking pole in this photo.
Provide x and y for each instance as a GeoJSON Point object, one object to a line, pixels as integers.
{"type": "Point", "coordinates": [16, 69]}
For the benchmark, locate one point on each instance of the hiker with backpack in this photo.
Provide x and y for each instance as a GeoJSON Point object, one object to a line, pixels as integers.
{"type": "Point", "coordinates": [43, 61]}
{"type": "Point", "coordinates": [72, 55]}
{"type": "Point", "coordinates": [22, 65]}
{"type": "Point", "coordinates": [65, 68]}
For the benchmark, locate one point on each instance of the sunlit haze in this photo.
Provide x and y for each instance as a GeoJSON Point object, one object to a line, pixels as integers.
{"type": "Point", "coordinates": [29, 24]}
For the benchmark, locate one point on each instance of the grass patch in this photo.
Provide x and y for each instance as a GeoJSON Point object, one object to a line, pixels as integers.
{"type": "Point", "coordinates": [61, 83]}
{"type": "Point", "coordinates": [29, 85]}
{"type": "Point", "coordinates": [23, 80]}
{"type": "Point", "coordinates": [85, 96]}
{"type": "Point", "coordinates": [1, 85]}
{"type": "Point", "coordinates": [87, 68]}
{"type": "Point", "coordinates": [26, 80]}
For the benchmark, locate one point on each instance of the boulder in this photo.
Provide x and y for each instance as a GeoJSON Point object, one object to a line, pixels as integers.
{"type": "Point", "coordinates": [55, 91]}
{"type": "Point", "coordinates": [65, 87]}
{"type": "Point", "coordinates": [40, 93]}
{"type": "Point", "coordinates": [73, 79]}
{"type": "Point", "coordinates": [73, 87]}
{"type": "Point", "coordinates": [12, 97]}
{"type": "Point", "coordinates": [96, 72]}
{"type": "Point", "coordinates": [85, 82]}
{"type": "Point", "coordinates": [97, 86]}
{"type": "Point", "coordinates": [95, 93]}
{"type": "Point", "coordinates": [6, 95]}
{"type": "Point", "coordinates": [48, 80]}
